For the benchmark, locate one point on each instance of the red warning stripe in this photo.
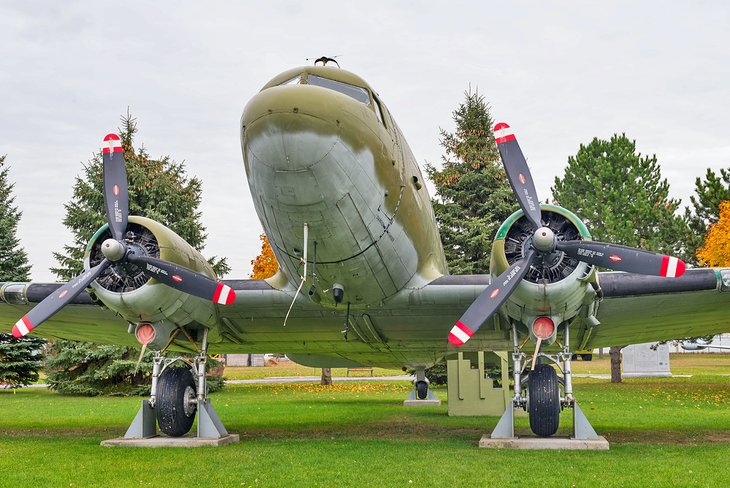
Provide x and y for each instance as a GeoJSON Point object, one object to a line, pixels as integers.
{"type": "Point", "coordinates": [503, 133]}
{"type": "Point", "coordinates": [665, 264]}
{"type": "Point", "coordinates": [460, 333]}
{"type": "Point", "coordinates": [217, 293]}
{"type": "Point", "coordinates": [224, 294]}
{"type": "Point", "coordinates": [112, 144]}
{"type": "Point", "coordinates": [672, 267]}
{"type": "Point", "coordinates": [22, 327]}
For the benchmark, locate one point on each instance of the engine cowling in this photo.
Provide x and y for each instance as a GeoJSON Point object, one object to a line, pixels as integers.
{"type": "Point", "coordinates": [561, 286]}
{"type": "Point", "coordinates": [126, 290]}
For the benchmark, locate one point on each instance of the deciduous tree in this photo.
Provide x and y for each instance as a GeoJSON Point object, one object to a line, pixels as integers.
{"type": "Point", "coordinates": [265, 264]}
{"type": "Point", "coordinates": [705, 209]}
{"type": "Point", "coordinates": [716, 251]}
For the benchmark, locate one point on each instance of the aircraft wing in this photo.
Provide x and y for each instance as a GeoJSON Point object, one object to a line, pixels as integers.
{"type": "Point", "coordinates": [639, 308]}
{"type": "Point", "coordinates": [85, 319]}
{"type": "Point", "coordinates": [413, 324]}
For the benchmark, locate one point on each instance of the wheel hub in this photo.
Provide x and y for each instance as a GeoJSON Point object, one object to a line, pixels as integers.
{"type": "Point", "coordinates": [190, 402]}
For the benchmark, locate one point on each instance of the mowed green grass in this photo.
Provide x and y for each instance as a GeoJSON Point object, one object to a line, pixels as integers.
{"type": "Point", "coordinates": [663, 432]}
{"type": "Point", "coordinates": [290, 368]}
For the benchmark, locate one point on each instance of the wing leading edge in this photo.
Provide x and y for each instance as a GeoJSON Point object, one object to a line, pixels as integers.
{"type": "Point", "coordinates": [637, 309]}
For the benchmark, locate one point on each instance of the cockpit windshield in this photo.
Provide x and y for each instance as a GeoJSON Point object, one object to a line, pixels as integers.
{"type": "Point", "coordinates": [356, 92]}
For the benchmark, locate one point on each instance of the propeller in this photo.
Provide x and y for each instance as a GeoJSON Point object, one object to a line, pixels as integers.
{"type": "Point", "coordinates": [116, 251]}
{"type": "Point", "coordinates": [543, 243]}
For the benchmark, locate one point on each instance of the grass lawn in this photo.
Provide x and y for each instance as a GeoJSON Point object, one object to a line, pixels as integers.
{"type": "Point", "coordinates": [663, 432]}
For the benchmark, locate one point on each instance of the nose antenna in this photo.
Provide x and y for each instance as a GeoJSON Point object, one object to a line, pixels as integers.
{"type": "Point", "coordinates": [324, 60]}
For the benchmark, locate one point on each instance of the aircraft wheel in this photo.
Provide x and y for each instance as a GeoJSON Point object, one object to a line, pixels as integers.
{"type": "Point", "coordinates": [587, 357]}
{"type": "Point", "coordinates": [422, 390]}
{"type": "Point", "coordinates": [175, 401]}
{"type": "Point", "coordinates": [544, 400]}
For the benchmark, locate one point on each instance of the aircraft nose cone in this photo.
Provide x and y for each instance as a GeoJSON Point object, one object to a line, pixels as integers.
{"type": "Point", "coordinates": [287, 133]}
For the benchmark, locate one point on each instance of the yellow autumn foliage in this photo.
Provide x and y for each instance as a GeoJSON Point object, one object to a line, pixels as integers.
{"type": "Point", "coordinates": [716, 251]}
{"type": "Point", "coordinates": [265, 264]}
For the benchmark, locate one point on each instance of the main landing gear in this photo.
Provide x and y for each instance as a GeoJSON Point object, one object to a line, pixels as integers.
{"type": "Point", "coordinates": [179, 390]}
{"type": "Point", "coordinates": [543, 400]}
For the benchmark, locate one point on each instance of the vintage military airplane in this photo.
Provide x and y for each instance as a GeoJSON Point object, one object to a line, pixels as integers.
{"type": "Point", "coordinates": [363, 279]}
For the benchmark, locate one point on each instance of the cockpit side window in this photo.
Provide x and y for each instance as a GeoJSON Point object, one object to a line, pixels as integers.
{"type": "Point", "coordinates": [293, 81]}
{"type": "Point", "coordinates": [358, 93]}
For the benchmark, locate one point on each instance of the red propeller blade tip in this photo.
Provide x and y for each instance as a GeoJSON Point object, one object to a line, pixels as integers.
{"type": "Point", "coordinates": [672, 267]}
{"type": "Point", "coordinates": [22, 327]}
{"type": "Point", "coordinates": [503, 133]}
{"type": "Point", "coordinates": [224, 295]}
{"type": "Point", "coordinates": [112, 144]}
{"type": "Point", "coordinates": [460, 333]}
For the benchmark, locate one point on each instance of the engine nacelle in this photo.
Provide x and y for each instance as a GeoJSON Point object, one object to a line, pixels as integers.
{"type": "Point", "coordinates": [125, 289]}
{"type": "Point", "coordinates": [559, 290]}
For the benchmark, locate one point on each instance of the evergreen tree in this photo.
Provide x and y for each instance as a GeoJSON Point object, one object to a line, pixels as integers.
{"type": "Point", "coordinates": [621, 196]}
{"type": "Point", "coordinates": [158, 189]}
{"type": "Point", "coordinates": [13, 259]}
{"type": "Point", "coordinates": [20, 359]}
{"type": "Point", "coordinates": [83, 368]}
{"type": "Point", "coordinates": [705, 208]}
{"type": "Point", "coordinates": [473, 196]}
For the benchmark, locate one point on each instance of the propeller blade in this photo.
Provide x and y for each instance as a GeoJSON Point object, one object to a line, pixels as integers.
{"type": "Point", "coordinates": [490, 300]}
{"type": "Point", "coordinates": [57, 300]}
{"type": "Point", "coordinates": [184, 279]}
{"type": "Point", "coordinates": [622, 258]}
{"type": "Point", "coordinates": [518, 173]}
{"type": "Point", "coordinates": [116, 197]}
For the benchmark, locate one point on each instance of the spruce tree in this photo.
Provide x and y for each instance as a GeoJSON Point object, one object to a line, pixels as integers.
{"type": "Point", "coordinates": [20, 359]}
{"type": "Point", "coordinates": [473, 196]}
{"type": "Point", "coordinates": [13, 258]}
{"type": "Point", "coordinates": [158, 189]}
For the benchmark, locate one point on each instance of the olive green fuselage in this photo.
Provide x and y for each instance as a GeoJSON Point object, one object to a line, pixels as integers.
{"type": "Point", "coordinates": [319, 157]}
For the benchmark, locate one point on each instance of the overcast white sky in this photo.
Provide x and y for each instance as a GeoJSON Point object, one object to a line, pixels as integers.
{"type": "Point", "coordinates": [560, 73]}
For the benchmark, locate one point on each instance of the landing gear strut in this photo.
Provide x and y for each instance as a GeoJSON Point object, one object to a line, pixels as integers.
{"type": "Point", "coordinates": [177, 393]}
{"type": "Point", "coordinates": [421, 394]}
{"type": "Point", "coordinates": [543, 400]}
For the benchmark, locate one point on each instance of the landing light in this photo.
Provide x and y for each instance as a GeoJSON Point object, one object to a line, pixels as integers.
{"type": "Point", "coordinates": [543, 327]}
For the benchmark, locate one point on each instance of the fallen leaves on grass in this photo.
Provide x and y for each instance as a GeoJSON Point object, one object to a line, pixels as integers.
{"type": "Point", "coordinates": [336, 388]}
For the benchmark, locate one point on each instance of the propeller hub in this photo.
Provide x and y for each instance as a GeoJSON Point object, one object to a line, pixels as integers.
{"type": "Point", "coordinates": [544, 240]}
{"type": "Point", "coordinates": [113, 250]}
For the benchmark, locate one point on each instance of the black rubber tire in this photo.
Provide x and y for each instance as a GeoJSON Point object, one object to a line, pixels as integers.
{"type": "Point", "coordinates": [587, 357]}
{"type": "Point", "coordinates": [171, 397]}
{"type": "Point", "coordinates": [544, 400]}
{"type": "Point", "coordinates": [421, 390]}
